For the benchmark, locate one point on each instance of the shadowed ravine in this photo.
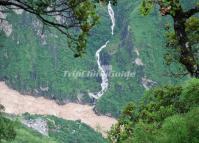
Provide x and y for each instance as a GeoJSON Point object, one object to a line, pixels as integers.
{"type": "Point", "coordinates": [16, 103]}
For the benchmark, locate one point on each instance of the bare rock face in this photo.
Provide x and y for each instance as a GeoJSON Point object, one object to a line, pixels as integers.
{"type": "Point", "coordinates": [139, 62]}
{"type": "Point", "coordinates": [38, 124]}
{"type": "Point", "coordinates": [4, 25]}
{"type": "Point", "coordinates": [18, 11]}
{"type": "Point", "coordinates": [38, 27]}
{"type": "Point", "coordinates": [147, 83]}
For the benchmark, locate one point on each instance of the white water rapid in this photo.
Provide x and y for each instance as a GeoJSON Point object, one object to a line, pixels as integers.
{"type": "Point", "coordinates": [104, 76]}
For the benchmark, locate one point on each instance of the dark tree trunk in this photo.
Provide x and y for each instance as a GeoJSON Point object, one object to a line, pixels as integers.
{"type": "Point", "coordinates": [186, 54]}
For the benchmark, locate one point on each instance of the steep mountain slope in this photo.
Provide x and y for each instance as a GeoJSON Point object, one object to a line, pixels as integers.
{"type": "Point", "coordinates": [139, 48]}
{"type": "Point", "coordinates": [49, 129]}
{"type": "Point", "coordinates": [38, 63]}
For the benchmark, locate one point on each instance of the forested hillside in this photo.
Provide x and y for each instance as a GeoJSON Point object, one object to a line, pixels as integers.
{"type": "Point", "coordinates": [139, 69]}
{"type": "Point", "coordinates": [167, 114]}
{"type": "Point", "coordinates": [34, 61]}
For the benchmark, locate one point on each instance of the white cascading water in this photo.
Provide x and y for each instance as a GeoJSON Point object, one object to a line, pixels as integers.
{"type": "Point", "coordinates": [104, 76]}
{"type": "Point", "coordinates": [112, 16]}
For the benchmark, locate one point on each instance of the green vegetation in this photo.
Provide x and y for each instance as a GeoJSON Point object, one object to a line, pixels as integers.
{"type": "Point", "coordinates": [28, 135]}
{"type": "Point", "coordinates": [13, 130]}
{"type": "Point", "coordinates": [72, 132]}
{"type": "Point", "coordinates": [7, 127]}
{"type": "Point", "coordinates": [40, 62]}
{"type": "Point", "coordinates": [166, 114]}
{"type": "Point", "coordinates": [59, 131]}
{"type": "Point", "coordinates": [73, 18]}
{"type": "Point", "coordinates": [182, 35]}
{"type": "Point", "coordinates": [132, 33]}
{"type": "Point", "coordinates": [30, 62]}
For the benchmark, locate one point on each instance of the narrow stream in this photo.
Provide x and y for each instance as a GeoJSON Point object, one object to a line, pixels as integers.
{"type": "Point", "coordinates": [104, 76]}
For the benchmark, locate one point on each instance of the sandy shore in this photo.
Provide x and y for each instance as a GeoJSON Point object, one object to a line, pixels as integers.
{"type": "Point", "coordinates": [16, 103]}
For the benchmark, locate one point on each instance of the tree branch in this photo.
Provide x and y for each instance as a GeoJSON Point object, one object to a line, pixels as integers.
{"type": "Point", "coordinates": [191, 12]}
{"type": "Point", "coordinates": [75, 18]}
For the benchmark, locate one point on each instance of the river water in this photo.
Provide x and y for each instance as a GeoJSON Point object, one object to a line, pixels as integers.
{"type": "Point", "coordinates": [16, 103]}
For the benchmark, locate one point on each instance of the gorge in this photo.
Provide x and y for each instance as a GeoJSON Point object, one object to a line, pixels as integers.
{"type": "Point", "coordinates": [114, 80]}
{"type": "Point", "coordinates": [18, 104]}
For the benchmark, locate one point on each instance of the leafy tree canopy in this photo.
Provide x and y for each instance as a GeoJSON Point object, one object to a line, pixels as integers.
{"type": "Point", "coordinates": [73, 18]}
{"type": "Point", "coordinates": [183, 37]}
{"type": "Point", "coordinates": [165, 115]}
{"type": "Point", "coordinates": [7, 131]}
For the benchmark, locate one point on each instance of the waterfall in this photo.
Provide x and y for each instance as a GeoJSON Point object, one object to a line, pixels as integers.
{"type": "Point", "coordinates": [112, 16]}
{"type": "Point", "coordinates": [104, 76]}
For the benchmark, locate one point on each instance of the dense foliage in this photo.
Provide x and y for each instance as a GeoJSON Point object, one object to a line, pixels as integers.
{"type": "Point", "coordinates": [35, 63]}
{"type": "Point", "coordinates": [167, 114]}
{"type": "Point", "coordinates": [183, 34]}
{"type": "Point", "coordinates": [7, 127]}
{"type": "Point", "coordinates": [59, 131]}
{"type": "Point", "coordinates": [13, 130]}
{"type": "Point", "coordinates": [28, 135]}
{"type": "Point", "coordinates": [73, 132]}
{"type": "Point", "coordinates": [74, 18]}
